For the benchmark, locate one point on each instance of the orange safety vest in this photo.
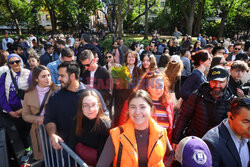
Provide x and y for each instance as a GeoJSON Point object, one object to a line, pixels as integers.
{"type": "Point", "coordinates": [129, 157]}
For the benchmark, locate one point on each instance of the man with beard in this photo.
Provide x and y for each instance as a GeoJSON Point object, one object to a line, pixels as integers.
{"type": "Point", "coordinates": [62, 105]}
{"type": "Point", "coordinates": [119, 57]}
{"type": "Point", "coordinates": [206, 107]}
{"type": "Point", "coordinates": [67, 55]}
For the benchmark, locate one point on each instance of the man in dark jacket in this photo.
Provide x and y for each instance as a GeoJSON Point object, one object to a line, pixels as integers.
{"type": "Point", "coordinates": [229, 142]}
{"type": "Point", "coordinates": [206, 107]}
{"type": "Point", "coordinates": [87, 45]}
{"type": "Point", "coordinates": [47, 57]}
{"type": "Point", "coordinates": [238, 68]}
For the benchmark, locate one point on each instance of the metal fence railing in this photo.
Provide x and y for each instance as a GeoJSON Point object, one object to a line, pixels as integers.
{"type": "Point", "coordinates": [58, 158]}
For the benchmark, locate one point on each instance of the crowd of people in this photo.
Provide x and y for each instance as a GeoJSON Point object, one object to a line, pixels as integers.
{"type": "Point", "coordinates": [170, 103]}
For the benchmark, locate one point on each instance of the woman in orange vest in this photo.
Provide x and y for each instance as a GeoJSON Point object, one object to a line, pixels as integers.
{"type": "Point", "coordinates": [140, 141]}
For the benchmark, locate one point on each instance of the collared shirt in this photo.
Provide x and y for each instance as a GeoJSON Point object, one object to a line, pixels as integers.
{"type": "Point", "coordinates": [241, 146]}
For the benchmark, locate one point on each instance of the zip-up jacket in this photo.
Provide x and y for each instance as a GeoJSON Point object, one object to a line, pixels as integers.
{"type": "Point", "coordinates": [129, 156]}
{"type": "Point", "coordinates": [201, 112]}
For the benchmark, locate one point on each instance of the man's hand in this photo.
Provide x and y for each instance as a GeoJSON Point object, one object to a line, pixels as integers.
{"type": "Point", "coordinates": [54, 139]}
{"type": "Point", "coordinates": [240, 92]}
{"type": "Point", "coordinates": [14, 114]}
{"type": "Point", "coordinates": [40, 120]}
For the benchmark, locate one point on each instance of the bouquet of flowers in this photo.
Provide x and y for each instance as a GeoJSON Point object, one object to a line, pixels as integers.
{"type": "Point", "coordinates": [121, 75]}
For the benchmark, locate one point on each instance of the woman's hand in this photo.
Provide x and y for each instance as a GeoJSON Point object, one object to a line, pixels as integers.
{"type": "Point", "coordinates": [40, 120]}
{"type": "Point", "coordinates": [14, 114]}
{"type": "Point", "coordinates": [54, 139]}
{"type": "Point", "coordinates": [19, 112]}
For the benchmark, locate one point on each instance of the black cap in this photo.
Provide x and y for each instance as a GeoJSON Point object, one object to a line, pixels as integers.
{"type": "Point", "coordinates": [218, 73]}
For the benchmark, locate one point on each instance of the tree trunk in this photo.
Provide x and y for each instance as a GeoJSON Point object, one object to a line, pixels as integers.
{"type": "Point", "coordinates": [146, 20]}
{"type": "Point", "coordinates": [53, 19]}
{"type": "Point", "coordinates": [189, 24]}
{"type": "Point", "coordinates": [13, 17]}
{"type": "Point", "coordinates": [120, 26]}
{"type": "Point", "coordinates": [197, 27]}
{"type": "Point", "coordinates": [222, 24]}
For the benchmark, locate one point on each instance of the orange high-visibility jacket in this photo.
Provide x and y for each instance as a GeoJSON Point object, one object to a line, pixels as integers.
{"type": "Point", "coordinates": [129, 157]}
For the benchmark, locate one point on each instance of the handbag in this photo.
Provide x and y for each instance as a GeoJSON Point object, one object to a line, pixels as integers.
{"type": "Point", "coordinates": [86, 153]}
{"type": "Point", "coordinates": [19, 92]}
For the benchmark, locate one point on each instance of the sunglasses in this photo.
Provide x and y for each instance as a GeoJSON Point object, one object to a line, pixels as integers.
{"type": "Point", "coordinates": [152, 73]}
{"type": "Point", "coordinates": [223, 64]}
{"type": "Point", "coordinates": [87, 65]}
{"type": "Point", "coordinates": [108, 57]}
{"type": "Point", "coordinates": [12, 62]}
{"type": "Point", "coordinates": [237, 48]}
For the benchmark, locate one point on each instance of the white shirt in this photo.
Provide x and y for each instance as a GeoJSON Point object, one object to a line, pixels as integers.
{"type": "Point", "coordinates": [4, 43]}
{"type": "Point", "coordinates": [92, 79]}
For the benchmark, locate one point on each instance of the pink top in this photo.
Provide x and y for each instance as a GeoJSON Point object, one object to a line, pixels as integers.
{"type": "Point", "coordinates": [41, 93]}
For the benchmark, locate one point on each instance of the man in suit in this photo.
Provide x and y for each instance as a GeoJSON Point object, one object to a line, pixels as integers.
{"type": "Point", "coordinates": [47, 57]}
{"type": "Point", "coordinates": [237, 49]}
{"type": "Point", "coordinates": [229, 141]}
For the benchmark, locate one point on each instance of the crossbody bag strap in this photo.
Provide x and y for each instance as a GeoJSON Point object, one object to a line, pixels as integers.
{"type": "Point", "coordinates": [118, 163]}
{"type": "Point", "coordinates": [43, 102]}
{"type": "Point", "coordinates": [14, 81]}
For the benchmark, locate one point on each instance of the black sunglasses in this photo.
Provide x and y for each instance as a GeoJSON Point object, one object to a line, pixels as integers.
{"type": "Point", "coordinates": [87, 65]}
{"type": "Point", "coordinates": [152, 73]}
{"type": "Point", "coordinates": [108, 57]}
{"type": "Point", "coordinates": [16, 61]}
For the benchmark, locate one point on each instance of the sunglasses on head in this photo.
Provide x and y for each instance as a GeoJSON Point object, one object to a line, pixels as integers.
{"type": "Point", "coordinates": [152, 73]}
{"type": "Point", "coordinates": [87, 65]}
{"type": "Point", "coordinates": [16, 61]}
{"type": "Point", "coordinates": [108, 57]}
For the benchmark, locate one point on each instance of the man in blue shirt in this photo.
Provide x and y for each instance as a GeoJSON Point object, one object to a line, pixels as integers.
{"type": "Point", "coordinates": [229, 141]}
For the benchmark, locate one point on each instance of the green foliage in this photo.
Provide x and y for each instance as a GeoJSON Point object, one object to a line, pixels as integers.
{"type": "Point", "coordinates": [107, 43]}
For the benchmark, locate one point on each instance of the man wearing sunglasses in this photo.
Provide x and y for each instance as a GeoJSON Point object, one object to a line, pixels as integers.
{"type": "Point", "coordinates": [237, 49]}
{"type": "Point", "coordinates": [95, 76]}
{"type": "Point", "coordinates": [229, 141]}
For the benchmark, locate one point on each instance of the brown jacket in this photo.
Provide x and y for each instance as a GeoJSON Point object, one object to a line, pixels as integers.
{"type": "Point", "coordinates": [31, 107]}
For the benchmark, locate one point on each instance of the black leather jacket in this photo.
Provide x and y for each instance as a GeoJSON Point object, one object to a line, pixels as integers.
{"type": "Point", "coordinates": [201, 112]}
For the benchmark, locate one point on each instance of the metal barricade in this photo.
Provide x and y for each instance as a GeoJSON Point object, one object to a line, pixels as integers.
{"type": "Point", "coordinates": [57, 158]}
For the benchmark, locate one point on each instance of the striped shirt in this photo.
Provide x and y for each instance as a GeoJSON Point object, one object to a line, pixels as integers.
{"type": "Point", "coordinates": [160, 115]}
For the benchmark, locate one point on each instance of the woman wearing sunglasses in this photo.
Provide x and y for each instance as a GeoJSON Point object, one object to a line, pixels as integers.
{"type": "Point", "coordinates": [156, 84]}
{"type": "Point", "coordinates": [13, 85]}
{"type": "Point", "coordinates": [35, 100]}
{"type": "Point", "coordinates": [110, 62]}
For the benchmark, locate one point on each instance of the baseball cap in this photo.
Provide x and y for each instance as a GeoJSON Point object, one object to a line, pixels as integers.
{"type": "Point", "coordinates": [217, 73]}
{"type": "Point", "coordinates": [192, 151]}
{"type": "Point", "coordinates": [175, 59]}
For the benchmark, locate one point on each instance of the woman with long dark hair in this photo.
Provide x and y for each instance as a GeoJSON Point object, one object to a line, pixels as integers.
{"type": "Point", "coordinates": [90, 129]}
{"type": "Point", "coordinates": [35, 100]}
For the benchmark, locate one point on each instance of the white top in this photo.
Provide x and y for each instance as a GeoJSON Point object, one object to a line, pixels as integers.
{"type": "Point", "coordinates": [92, 79]}
{"type": "Point", "coordinates": [4, 43]}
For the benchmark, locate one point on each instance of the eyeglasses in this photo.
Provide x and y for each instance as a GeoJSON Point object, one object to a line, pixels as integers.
{"type": "Point", "coordinates": [108, 57]}
{"type": "Point", "coordinates": [88, 107]}
{"type": "Point", "coordinates": [152, 73]}
{"type": "Point", "coordinates": [245, 101]}
{"type": "Point", "coordinates": [87, 65]}
{"type": "Point", "coordinates": [16, 61]}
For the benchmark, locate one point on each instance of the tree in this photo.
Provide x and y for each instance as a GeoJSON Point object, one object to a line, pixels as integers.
{"type": "Point", "coordinates": [188, 9]}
